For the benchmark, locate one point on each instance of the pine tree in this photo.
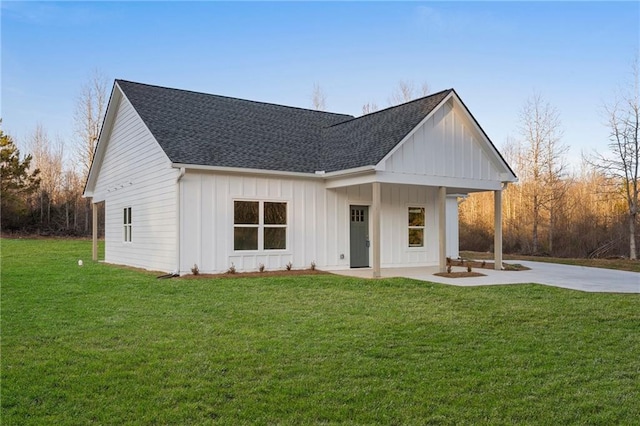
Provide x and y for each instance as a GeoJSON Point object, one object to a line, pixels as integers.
{"type": "Point", "coordinates": [17, 182]}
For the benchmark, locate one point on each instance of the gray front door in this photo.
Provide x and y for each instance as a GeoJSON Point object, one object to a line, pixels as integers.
{"type": "Point", "coordinates": [359, 236]}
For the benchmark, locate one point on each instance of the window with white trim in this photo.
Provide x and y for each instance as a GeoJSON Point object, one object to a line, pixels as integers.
{"type": "Point", "coordinates": [127, 225]}
{"type": "Point", "coordinates": [259, 225]}
{"type": "Point", "coordinates": [416, 226]}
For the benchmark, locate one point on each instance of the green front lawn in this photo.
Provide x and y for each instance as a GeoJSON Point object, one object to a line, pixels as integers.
{"type": "Point", "coordinates": [99, 344]}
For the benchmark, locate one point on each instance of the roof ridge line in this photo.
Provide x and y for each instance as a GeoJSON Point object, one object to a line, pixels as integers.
{"type": "Point", "coordinates": [391, 107]}
{"type": "Point", "coordinates": [235, 98]}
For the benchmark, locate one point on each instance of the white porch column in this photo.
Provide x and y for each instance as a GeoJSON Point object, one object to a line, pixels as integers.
{"type": "Point", "coordinates": [497, 236]}
{"type": "Point", "coordinates": [376, 228]}
{"type": "Point", "coordinates": [442, 227]}
{"type": "Point", "coordinates": [94, 217]}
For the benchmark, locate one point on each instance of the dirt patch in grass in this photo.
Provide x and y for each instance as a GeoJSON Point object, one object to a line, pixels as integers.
{"type": "Point", "coordinates": [515, 267]}
{"type": "Point", "coordinates": [462, 274]}
{"type": "Point", "coordinates": [465, 264]}
{"type": "Point", "coordinates": [480, 264]}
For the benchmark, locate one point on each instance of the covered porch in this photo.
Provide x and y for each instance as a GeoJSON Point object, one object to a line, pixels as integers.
{"type": "Point", "coordinates": [378, 181]}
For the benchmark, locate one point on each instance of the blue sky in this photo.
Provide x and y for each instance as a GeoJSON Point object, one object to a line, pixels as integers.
{"type": "Point", "coordinates": [495, 54]}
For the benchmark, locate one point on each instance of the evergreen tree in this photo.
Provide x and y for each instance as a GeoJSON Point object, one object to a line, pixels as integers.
{"type": "Point", "coordinates": [17, 182]}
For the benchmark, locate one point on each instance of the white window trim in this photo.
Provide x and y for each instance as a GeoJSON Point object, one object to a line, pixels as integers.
{"type": "Point", "coordinates": [127, 225]}
{"type": "Point", "coordinates": [423, 247]}
{"type": "Point", "coordinates": [261, 226]}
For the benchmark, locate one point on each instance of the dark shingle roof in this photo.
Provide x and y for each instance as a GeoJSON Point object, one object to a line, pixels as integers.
{"type": "Point", "coordinates": [367, 139]}
{"type": "Point", "coordinates": [202, 129]}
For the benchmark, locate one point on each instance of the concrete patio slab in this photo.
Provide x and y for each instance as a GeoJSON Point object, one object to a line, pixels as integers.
{"type": "Point", "coordinates": [581, 278]}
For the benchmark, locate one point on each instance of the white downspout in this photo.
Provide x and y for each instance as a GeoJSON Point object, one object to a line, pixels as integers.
{"type": "Point", "coordinates": [178, 218]}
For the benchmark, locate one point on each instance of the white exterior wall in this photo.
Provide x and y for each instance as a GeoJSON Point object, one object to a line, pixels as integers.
{"type": "Point", "coordinates": [136, 173]}
{"type": "Point", "coordinates": [446, 145]}
{"type": "Point", "coordinates": [317, 224]}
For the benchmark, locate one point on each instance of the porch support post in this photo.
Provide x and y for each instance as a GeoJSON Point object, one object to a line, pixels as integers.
{"type": "Point", "coordinates": [497, 236]}
{"type": "Point", "coordinates": [94, 219]}
{"type": "Point", "coordinates": [442, 228]}
{"type": "Point", "coordinates": [376, 229]}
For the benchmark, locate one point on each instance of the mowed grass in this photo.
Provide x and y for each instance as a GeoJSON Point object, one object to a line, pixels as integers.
{"type": "Point", "coordinates": [105, 345]}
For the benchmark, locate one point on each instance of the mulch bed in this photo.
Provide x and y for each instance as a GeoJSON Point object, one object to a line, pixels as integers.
{"type": "Point", "coordinates": [296, 272]}
{"type": "Point", "coordinates": [255, 274]}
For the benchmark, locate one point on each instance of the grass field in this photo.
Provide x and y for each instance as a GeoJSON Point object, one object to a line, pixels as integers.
{"type": "Point", "coordinates": [105, 345]}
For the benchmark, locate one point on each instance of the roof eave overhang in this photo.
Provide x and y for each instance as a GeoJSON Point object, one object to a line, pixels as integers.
{"type": "Point", "coordinates": [244, 171]}
{"type": "Point", "coordinates": [319, 174]}
{"type": "Point", "coordinates": [105, 132]}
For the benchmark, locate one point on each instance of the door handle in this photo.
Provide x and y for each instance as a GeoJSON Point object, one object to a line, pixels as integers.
{"type": "Point", "coordinates": [368, 243]}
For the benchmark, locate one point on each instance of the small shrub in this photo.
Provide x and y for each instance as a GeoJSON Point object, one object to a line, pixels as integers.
{"type": "Point", "coordinates": [484, 263]}
{"type": "Point", "coordinates": [313, 266]}
{"type": "Point", "coordinates": [195, 270]}
{"type": "Point", "coordinates": [448, 260]}
{"type": "Point", "coordinates": [449, 269]}
{"type": "Point", "coordinates": [468, 267]}
{"type": "Point", "coordinates": [289, 266]}
{"type": "Point", "coordinates": [232, 269]}
{"type": "Point", "coordinates": [261, 267]}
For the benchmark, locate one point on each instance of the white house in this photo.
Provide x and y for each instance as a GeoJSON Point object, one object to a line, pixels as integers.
{"type": "Point", "coordinates": [197, 179]}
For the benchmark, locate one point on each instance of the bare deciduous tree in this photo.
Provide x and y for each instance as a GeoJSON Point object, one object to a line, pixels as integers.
{"type": "Point", "coordinates": [88, 117]}
{"type": "Point", "coordinates": [543, 165]}
{"type": "Point", "coordinates": [89, 114]}
{"type": "Point", "coordinates": [48, 158]}
{"type": "Point", "coordinates": [369, 107]}
{"type": "Point", "coordinates": [407, 91]}
{"type": "Point", "coordinates": [318, 98]}
{"type": "Point", "coordinates": [622, 162]}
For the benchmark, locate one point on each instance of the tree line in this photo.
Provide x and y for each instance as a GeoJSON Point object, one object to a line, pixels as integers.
{"type": "Point", "coordinates": [42, 190]}
{"type": "Point", "coordinates": [592, 212]}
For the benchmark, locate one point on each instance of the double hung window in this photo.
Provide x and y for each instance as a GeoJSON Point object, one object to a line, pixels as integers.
{"type": "Point", "coordinates": [259, 225]}
{"type": "Point", "coordinates": [127, 225]}
{"type": "Point", "coordinates": [416, 226]}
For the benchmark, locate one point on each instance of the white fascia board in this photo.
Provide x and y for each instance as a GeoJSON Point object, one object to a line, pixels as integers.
{"type": "Point", "coordinates": [241, 170]}
{"type": "Point", "coordinates": [415, 129]}
{"type": "Point", "coordinates": [449, 182]}
{"type": "Point", "coordinates": [105, 133]}
{"type": "Point", "coordinates": [347, 172]}
{"type": "Point", "coordinates": [320, 175]}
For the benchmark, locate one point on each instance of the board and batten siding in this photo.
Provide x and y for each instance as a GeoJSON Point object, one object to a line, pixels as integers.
{"type": "Point", "coordinates": [136, 173]}
{"type": "Point", "coordinates": [447, 144]}
{"type": "Point", "coordinates": [317, 222]}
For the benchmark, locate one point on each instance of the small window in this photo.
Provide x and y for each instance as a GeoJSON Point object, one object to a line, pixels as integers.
{"type": "Point", "coordinates": [416, 226]}
{"type": "Point", "coordinates": [275, 226]}
{"type": "Point", "coordinates": [246, 220]}
{"type": "Point", "coordinates": [259, 225]}
{"type": "Point", "coordinates": [127, 224]}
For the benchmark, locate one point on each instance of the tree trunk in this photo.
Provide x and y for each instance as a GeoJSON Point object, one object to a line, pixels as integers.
{"type": "Point", "coordinates": [633, 255]}
{"type": "Point", "coordinates": [75, 214]}
{"type": "Point", "coordinates": [551, 225]}
{"type": "Point", "coordinates": [534, 233]}
{"type": "Point", "coordinates": [86, 218]}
